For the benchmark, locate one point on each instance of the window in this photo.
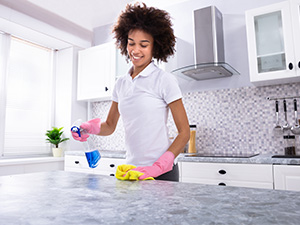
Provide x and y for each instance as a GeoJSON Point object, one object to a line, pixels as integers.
{"type": "Point", "coordinates": [28, 102]}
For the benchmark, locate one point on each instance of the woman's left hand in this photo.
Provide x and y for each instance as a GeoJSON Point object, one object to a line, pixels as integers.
{"type": "Point", "coordinates": [162, 165]}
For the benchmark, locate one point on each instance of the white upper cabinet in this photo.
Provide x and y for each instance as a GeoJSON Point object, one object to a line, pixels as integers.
{"type": "Point", "coordinates": [273, 34]}
{"type": "Point", "coordinates": [98, 69]}
{"type": "Point", "coordinates": [96, 72]}
{"type": "Point", "coordinates": [295, 14]}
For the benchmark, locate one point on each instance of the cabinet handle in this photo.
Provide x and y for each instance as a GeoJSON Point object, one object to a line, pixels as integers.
{"type": "Point", "coordinates": [106, 88]}
{"type": "Point", "coordinates": [112, 175]}
{"type": "Point", "coordinates": [299, 64]}
{"type": "Point", "coordinates": [76, 162]}
{"type": "Point", "coordinates": [291, 66]}
{"type": "Point", "coordinates": [222, 172]}
{"type": "Point", "coordinates": [112, 165]}
{"type": "Point", "coordinates": [222, 184]}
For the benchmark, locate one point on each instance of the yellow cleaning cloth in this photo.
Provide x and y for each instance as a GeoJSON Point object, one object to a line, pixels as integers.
{"type": "Point", "coordinates": [124, 172]}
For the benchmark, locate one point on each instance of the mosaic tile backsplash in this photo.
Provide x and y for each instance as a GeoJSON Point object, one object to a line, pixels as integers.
{"type": "Point", "coordinates": [231, 121]}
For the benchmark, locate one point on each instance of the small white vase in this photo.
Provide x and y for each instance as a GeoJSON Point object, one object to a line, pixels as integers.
{"type": "Point", "coordinates": [57, 152]}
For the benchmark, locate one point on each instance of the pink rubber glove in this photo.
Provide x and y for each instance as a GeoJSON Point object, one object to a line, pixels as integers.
{"type": "Point", "coordinates": [89, 127]}
{"type": "Point", "coordinates": [162, 165]}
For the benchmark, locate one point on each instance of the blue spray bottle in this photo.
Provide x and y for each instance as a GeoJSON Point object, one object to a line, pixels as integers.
{"type": "Point", "coordinates": [92, 154]}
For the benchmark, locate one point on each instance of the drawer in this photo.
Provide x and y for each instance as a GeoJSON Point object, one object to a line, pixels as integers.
{"type": "Point", "coordinates": [108, 165]}
{"type": "Point", "coordinates": [78, 162]}
{"type": "Point", "coordinates": [227, 171]}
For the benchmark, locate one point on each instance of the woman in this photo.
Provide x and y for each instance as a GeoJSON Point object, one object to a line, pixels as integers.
{"type": "Point", "coordinates": [144, 96]}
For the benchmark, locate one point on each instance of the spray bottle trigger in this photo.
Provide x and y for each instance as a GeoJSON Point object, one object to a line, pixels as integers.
{"type": "Point", "coordinates": [76, 130]}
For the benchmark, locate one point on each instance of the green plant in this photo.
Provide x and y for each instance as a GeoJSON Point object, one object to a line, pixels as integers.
{"type": "Point", "coordinates": [54, 136]}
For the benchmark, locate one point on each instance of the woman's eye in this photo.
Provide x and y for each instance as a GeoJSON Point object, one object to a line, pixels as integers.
{"type": "Point", "coordinates": [144, 46]}
{"type": "Point", "coordinates": [131, 44]}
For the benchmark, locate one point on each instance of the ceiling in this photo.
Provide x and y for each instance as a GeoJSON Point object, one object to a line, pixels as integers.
{"type": "Point", "coordinates": [89, 14]}
{"type": "Point", "coordinates": [77, 18]}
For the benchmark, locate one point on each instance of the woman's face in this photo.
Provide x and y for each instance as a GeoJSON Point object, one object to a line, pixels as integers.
{"type": "Point", "coordinates": [139, 48]}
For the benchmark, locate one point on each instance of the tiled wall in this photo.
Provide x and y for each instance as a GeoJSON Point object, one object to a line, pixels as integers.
{"type": "Point", "coordinates": [228, 121]}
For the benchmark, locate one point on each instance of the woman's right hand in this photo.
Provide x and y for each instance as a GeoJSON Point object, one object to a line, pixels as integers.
{"type": "Point", "coordinates": [82, 138]}
{"type": "Point", "coordinates": [89, 127]}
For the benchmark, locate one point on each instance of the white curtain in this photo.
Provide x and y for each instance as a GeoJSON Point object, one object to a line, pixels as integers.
{"type": "Point", "coordinates": [28, 99]}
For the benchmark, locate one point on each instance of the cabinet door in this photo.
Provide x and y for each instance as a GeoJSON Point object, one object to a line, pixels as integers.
{"type": "Point", "coordinates": [96, 72]}
{"type": "Point", "coordinates": [295, 14]}
{"type": "Point", "coordinates": [242, 175]}
{"type": "Point", "coordinates": [270, 45]}
{"type": "Point", "coordinates": [287, 177]}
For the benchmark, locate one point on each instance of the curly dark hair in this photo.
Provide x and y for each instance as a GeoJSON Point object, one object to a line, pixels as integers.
{"type": "Point", "coordinates": [151, 20]}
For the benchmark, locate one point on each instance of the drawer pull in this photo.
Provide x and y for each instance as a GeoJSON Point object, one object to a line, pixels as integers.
{"type": "Point", "coordinates": [222, 172]}
{"type": "Point", "coordinates": [112, 165]}
{"type": "Point", "coordinates": [222, 184]}
{"type": "Point", "coordinates": [112, 175]}
{"type": "Point", "coordinates": [76, 162]}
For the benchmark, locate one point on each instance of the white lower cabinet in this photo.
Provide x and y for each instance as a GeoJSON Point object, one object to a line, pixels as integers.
{"type": "Point", "coordinates": [287, 177]}
{"type": "Point", "coordinates": [268, 176]}
{"type": "Point", "coordinates": [31, 165]}
{"type": "Point", "coordinates": [77, 164]}
{"type": "Point", "coordinates": [227, 174]}
{"type": "Point", "coordinates": [107, 166]}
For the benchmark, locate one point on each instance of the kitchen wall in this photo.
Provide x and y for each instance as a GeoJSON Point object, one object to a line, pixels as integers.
{"type": "Point", "coordinates": [228, 121]}
{"type": "Point", "coordinates": [231, 114]}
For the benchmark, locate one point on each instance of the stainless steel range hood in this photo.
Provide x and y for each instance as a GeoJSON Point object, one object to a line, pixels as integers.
{"type": "Point", "coordinates": [209, 48]}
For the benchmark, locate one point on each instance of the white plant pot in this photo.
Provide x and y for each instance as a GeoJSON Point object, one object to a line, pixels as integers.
{"type": "Point", "coordinates": [57, 152]}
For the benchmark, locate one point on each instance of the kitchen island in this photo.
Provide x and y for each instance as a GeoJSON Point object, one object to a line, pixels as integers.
{"type": "Point", "coordinates": [76, 198]}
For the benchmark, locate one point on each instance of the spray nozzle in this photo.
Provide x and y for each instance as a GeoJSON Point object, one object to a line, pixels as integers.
{"type": "Point", "coordinates": [76, 130]}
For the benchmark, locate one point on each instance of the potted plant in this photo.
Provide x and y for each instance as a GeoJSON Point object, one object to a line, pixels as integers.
{"type": "Point", "coordinates": [55, 138]}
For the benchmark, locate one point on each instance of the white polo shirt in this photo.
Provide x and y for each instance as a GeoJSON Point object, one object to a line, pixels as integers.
{"type": "Point", "coordinates": [143, 106]}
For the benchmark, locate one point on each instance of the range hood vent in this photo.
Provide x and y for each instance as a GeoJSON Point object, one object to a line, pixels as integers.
{"type": "Point", "coordinates": [209, 48]}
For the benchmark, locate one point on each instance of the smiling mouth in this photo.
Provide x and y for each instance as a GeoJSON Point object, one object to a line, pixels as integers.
{"type": "Point", "coordinates": [136, 57]}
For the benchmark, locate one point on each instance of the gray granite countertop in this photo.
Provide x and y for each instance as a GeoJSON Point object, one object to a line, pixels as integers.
{"type": "Point", "coordinates": [259, 159]}
{"type": "Point", "coordinates": [78, 198]}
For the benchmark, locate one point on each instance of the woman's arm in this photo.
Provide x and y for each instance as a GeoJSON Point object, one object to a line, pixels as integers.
{"type": "Point", "coordinates": [165, 162]}
{"type": "Point", "coordinates": [109, 126]}
{"type": "Point", "coordinates": [182, 125]}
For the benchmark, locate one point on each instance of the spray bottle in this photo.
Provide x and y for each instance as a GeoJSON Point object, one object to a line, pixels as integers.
{"type": "Point", "coordinates": [92, 154]}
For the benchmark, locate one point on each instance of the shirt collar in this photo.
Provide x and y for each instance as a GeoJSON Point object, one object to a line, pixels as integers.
{"type": "Point", "coordinates": [148, 70]}
{"type": "Point", "coordinates": [145, 72]}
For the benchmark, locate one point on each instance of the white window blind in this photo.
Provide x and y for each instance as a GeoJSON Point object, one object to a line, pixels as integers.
{"type": "Point", "coordinates": [28, 99]}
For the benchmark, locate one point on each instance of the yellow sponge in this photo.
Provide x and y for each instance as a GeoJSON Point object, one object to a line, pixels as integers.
{"type": "Point", "coordinates": [125, 172]}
